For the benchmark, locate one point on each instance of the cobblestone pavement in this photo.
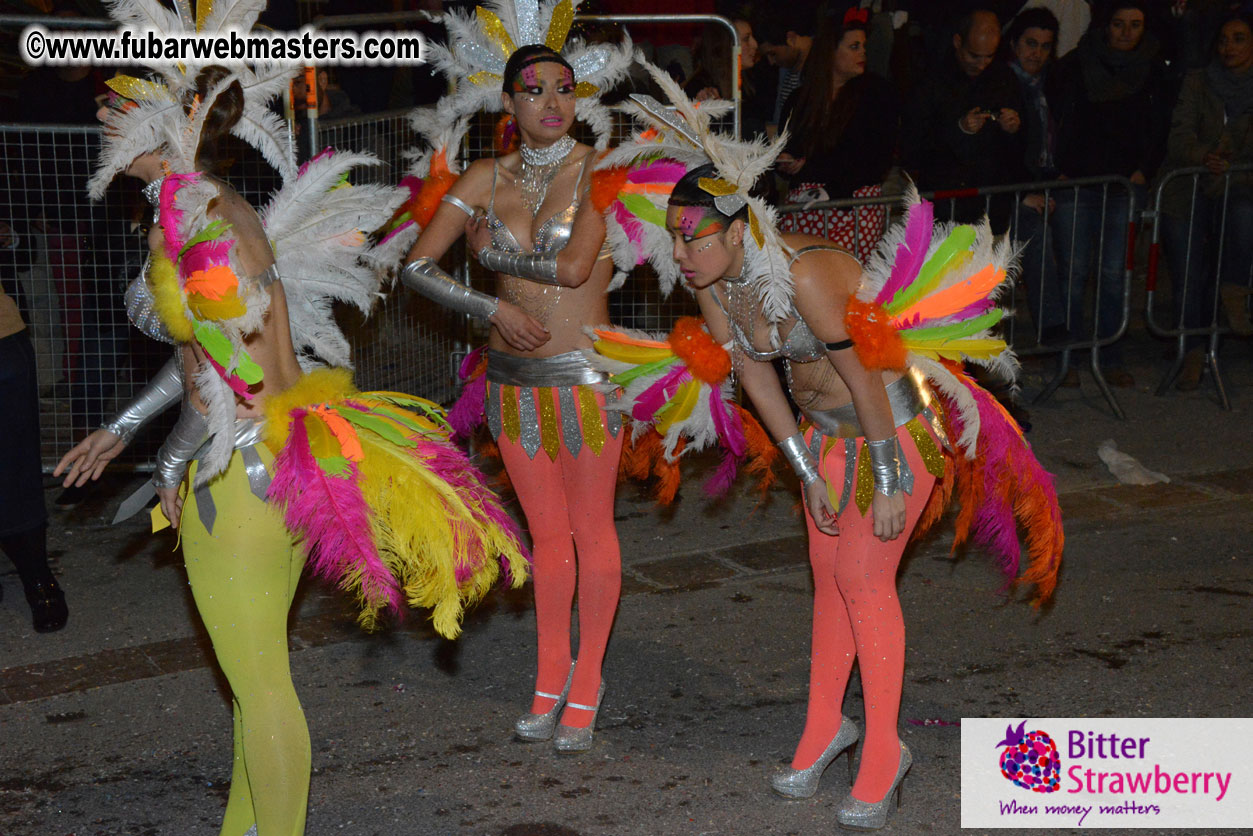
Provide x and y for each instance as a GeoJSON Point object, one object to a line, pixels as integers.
{"type": "Point", "coordinates": [118, 724]}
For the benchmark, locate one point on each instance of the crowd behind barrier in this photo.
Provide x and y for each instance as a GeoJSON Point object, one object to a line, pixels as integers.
{"type": "Point", "coordinates": [70, 268]}
{"type": "Point", "coordinates": [1209, 255]}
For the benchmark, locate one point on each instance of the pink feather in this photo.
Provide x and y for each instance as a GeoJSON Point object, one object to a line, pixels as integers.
{"type": "Point", "coordinates": [1009, 471]}
{"type": "Point", "coordinates": [171, 215]}
{"type": "Point", "coordinates": [204, 255]}
{"type": "Point", "coordinates": [655, 396]}
{"type": "Point", "coordinates": [634, 231]}
{"type": "Point", "coordinates": [912, 252]}
{"type": "Point", "coordinates": [468, 412]}
{"type": "Point", "coordinates": [331, 516]}
{"type": "Point", "coordinates": [729, 432]}
{"type": "Point", "coordinates": [720, 481]}
{"type": "Point", "coordinates": [237, 384]}
{"type": "Point", "coordinates": [664, 170]}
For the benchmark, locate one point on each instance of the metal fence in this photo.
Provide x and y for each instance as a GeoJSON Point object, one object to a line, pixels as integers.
{"type": "Point", "coordinates": [1077, 240]}
{"type": "Point", "coordinates": [1203, 224]}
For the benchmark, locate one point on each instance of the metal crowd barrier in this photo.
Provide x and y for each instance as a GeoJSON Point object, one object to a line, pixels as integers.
{"type": "Point", "coordinates": [1208, 249]}
{"type": "Point", "coordinates": [1058, 241]}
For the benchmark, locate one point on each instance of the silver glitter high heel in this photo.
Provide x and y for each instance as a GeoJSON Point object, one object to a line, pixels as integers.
{"type": "Point", "coordinates": [535, 728]}
{"type": "Point", "coordinates": [252, 831]}
{"type": "Point", "coordinates": [569, 739]}
{"type": "Point", "coordinates": [855, 814]}
{"type": "Point", "coordinates": [803, 783]}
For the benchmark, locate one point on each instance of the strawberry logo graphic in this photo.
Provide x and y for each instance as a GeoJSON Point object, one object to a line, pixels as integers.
{"type": "Point", "coordinates": [1030, 759]}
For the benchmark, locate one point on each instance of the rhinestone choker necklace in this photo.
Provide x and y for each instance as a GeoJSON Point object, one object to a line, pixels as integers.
{"type": "Point", "coordinates": [539, 167]}
{"type": "Point", "coordinates": [554, 153]}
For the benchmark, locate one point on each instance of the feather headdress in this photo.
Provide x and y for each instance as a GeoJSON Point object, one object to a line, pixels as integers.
{"type": "Point", "coordinates": [161, 112]}
{"type": "Point", "coordinates": [479, 46]}
{"type": "Point", "coordinates": [681, 134]}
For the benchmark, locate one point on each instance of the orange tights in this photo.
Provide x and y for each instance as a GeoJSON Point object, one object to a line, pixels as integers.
{"type": "Point", "coordinates": [569, 511]}
{"type": "Point", "coordinates": [858, 616]}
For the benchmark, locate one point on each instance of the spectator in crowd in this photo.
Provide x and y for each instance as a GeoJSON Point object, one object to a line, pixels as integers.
{"type": "Point", "coordinates": [712, 75]}
{"type": "Point", "coordinates": [1112, 119]}
{"type": "Point", "coordinates": [962, 128]}
{"type": "Point", "coordinates": [1032, 36]}
{"type": "Point", "coordinates": [1212, 126]}
{"type": "Point", "coordinates": [1073, 18]}
{"type": "Point", "coordinates": [23, 516]}
{"type": "Point", "coordinates": [843, 124]}
{"type": "Point", "coordinates": [784, 39]}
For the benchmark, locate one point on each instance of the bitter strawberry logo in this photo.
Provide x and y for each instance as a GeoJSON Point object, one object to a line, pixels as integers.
{"type": "Point", "coordinates": [1030, 759]}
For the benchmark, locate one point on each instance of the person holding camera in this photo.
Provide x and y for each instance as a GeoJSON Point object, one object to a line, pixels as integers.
{"type": "Point", "coordinates": [963, 126]}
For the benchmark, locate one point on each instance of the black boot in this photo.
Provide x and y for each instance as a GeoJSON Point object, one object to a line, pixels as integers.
{"type": "Point", "coordinates": [48, 612]}
{"type": "Point", "coordinates": [29, 552]}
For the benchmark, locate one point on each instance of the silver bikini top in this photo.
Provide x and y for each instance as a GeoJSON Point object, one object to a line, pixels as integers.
{"type": "Point", "coordinates": [141, 306]}
{"type": "Point", "coordinates": [800, 345]}
{"type": "Point", "coordinates": [553, 234]}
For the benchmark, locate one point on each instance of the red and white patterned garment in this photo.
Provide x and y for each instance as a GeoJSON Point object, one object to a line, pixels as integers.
{"type": "Point", "coordinates": [857, 230]}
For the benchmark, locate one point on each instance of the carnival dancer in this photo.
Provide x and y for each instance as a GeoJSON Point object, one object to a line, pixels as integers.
{"type": "Point", "coordinates": [277, 458]}
{"type": "Point", "coordinates": [533, 384]}
{"type": "Point", "coordinates": [870, 362]}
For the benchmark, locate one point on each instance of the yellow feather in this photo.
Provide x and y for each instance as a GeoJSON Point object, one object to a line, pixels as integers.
{"type": "Point", "coordinates": [684, 401]}
{"type": "Point", "coordinates": [168, 296]}
{"type": "Point", "coordinates": [636, 355]}
{"type": "Point", "coordinates": [315, 387]}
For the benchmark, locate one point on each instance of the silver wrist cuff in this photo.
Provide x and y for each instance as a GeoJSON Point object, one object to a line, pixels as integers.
{"type": "Point", "coordinates": [427, 278]}
{"type": "Point", "coordinates": [885, 462]}
{"type": "Point", "coordinates": [800, 458]}
{"type": "Point", "coordinates": [538, 267]}
{"type": "Point", "coordinates": [160, 393]}
{"type": "Point", "coordinates": [188, 436]}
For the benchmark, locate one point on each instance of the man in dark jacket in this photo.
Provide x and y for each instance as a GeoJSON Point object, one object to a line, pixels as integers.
{"type": "Point", "coordinates": [963, 126]}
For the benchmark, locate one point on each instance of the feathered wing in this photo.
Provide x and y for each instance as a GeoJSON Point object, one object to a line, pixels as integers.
{"type": "Point", "coordinates": [320, 227]}
{"type": "Point", "coordinates": [929, 295]}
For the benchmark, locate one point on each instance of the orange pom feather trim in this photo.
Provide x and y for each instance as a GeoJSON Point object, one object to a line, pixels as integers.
{"type": "Point", "coordinates": [434, 187]}
{"type": "Point", "coordinates": [498, 135]}
{"type": "Point", "coordinates": [876, 341]}
{"type": "Point", "coordinates": [606, 184]}
{"type": "Point", "coordinates": [704, 358]}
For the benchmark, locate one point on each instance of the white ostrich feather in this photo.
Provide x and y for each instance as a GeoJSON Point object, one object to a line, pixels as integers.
{"type": "Point", "coordinates": [219, 400]}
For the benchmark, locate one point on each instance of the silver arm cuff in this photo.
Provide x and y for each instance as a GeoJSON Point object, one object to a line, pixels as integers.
{"type": "Point", "coordinates": [886, 463]}
{"type": "Point", "coordinates": [427, 278]}
{"type": "Point", "coordinates": [459, 203]}
{"type": "Point", "coordinates": [800, 458]}
{"type": "Point", "coordinates": [538, 267]}
{"type": "Point", "coordinates": [188, 436]}
{"type": "Point", "coordinates": [160, 393]}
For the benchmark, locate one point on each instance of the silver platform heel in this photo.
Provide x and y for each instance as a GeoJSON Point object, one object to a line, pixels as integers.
{"type": "Point", "coordinates": [535, 728]}
{"type": "Point", "coordinates": [569, 739]}
{"type": "Point", "coordinates": [862, 815]}
{"type": "Point", "coordinates": [803, 783]}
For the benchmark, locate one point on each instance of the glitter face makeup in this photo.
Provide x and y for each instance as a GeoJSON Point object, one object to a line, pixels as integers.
{"type": "Point", "coordinates": [533, 80]}
{"type": "Point", "coordinates": [697, 222]}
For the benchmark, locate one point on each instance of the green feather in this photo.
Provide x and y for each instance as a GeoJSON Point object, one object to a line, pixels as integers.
{"type": "Point", "coordinates": [219, 347]}
{"type": "Point", "coordinates": [336, 466]}
{"type": "Point", "coordinates": [959, 240]}
{"type": "Point", "coordinates": [643, 208]}
{"type": "Point", "coordinates": [374, 424]}
{"type": "Point", "coordinates": [629, 375]}
{"type": "Point", "coordinates": [958, 329]}
{"type": "Point", "coordinates": [214, 230]}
